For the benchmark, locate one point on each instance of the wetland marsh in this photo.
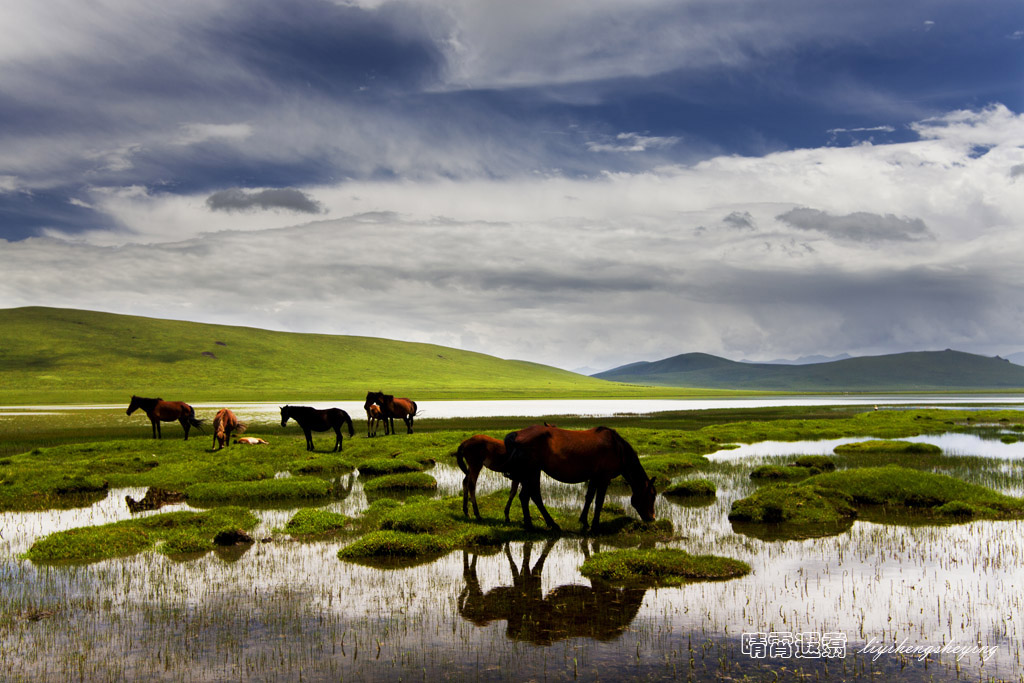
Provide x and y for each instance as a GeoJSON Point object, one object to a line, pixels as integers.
{"type": "Point", "coordinates": [505, 605]}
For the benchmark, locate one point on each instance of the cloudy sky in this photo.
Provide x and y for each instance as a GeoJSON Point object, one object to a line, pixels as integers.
{"type": "Point", "coordinates": [582, 183]}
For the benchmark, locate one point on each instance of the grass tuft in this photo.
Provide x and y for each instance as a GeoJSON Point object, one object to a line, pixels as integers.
{"type": "Point", "coordinates": [664, 567]}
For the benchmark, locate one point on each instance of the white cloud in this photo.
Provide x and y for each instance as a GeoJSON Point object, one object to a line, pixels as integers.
{"type": "Point", "coordinates": [633, 142]}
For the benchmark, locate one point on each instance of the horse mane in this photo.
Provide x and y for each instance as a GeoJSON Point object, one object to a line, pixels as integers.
{"type": "Point", "coordinates": [632, 470]}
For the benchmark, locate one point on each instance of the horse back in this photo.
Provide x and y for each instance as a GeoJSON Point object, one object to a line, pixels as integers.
{"type": "Point", "coordinates": [481, 449]}
{"type": "Point", "coordinates": [167, 411]}
{"type": "Point", "coordinates": [570, 455]}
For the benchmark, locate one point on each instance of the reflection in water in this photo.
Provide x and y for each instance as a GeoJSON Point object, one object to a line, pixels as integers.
{"type": "Point", "coordinates": [599, 611]}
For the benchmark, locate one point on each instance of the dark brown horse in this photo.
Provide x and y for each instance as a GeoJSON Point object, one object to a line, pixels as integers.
{"type": "Point", "coordinates": [159, 410]}
{"type": "Point", "coordinates": [225, 422]}
{"type": "Point", "coordinates": [314, 420]}
{"type": "Point", "coordinates": [392, 407]}
{"type": "Point", "coordinates": [473, 455]}
{"type": "Point", "coordinates": [595, 456]}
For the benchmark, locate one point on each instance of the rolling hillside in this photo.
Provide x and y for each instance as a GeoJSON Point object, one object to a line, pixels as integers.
{"type": "Point", "coordinates": [916, 371]}
{"type": "Point", "coordinates": [73, 356]}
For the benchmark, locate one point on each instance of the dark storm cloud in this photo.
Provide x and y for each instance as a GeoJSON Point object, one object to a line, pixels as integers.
{"type": "Point", "coordinates": [22, 214]}
{"type": "Point", "coordinates": [289, 199]}
{"type": "Point", "coordinates": [741, 220]}
{"type": "Point", "coordinates": [857, 227]}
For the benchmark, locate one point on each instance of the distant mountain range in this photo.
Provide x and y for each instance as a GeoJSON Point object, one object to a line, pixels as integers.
{"type": "Point", "coordinates": [914, 371]}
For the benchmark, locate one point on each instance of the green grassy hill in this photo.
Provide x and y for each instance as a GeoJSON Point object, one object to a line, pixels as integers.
{"type": "Point", "coordinates": [915, 371]}
{"type": "Point", "coordinates": [50, 355]}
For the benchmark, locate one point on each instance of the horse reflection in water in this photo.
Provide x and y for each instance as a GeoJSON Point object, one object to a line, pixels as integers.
{"type": "Point", "coordinates": [598, 611]}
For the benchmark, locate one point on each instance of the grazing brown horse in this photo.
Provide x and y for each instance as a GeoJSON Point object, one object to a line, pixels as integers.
{"type": "Point", "coordinates": [473, 455]}
{"type": "Point", "coordinates": [374, 416]}
{"type": "Point", "coordinates": [392, 407]}
{"type": "Point", "coordinates": [159, 410]}
{"type": "Point", "coordinates": [225, 422]}
{"type": "Point", "coordinates": [314, 420]}
{"type": "Point", "coordinates": [595, 456]}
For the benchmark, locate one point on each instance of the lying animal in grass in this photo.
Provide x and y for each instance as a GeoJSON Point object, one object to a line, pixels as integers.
{"type": "Point", "coordinates": [250, 441]}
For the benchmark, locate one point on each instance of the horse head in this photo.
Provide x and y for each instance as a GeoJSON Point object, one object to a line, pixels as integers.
{"type": "Point", "coordinates": [286, 412]}
{"type": "Point", "coordinates": [643, 499]}
{"type": "Point", "coordinates": [371, 398]}
{"type": "Point", "coordinates": [133, 405]}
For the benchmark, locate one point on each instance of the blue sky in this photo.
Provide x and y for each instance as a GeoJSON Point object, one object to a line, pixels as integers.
{"type": "Point", "coordinates": [574, 183]}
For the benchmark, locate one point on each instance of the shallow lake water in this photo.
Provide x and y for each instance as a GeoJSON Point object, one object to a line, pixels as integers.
{"type": "Point", "coordinates": [283, 610]}
{"type": "Point", "coordinates": [263, 411]}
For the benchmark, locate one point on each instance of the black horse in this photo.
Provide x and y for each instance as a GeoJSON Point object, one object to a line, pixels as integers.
{"type": "Point", "coordinates": [314, 420]}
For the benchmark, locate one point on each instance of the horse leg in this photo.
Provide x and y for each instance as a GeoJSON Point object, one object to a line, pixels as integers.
{"type": "Point", "coordinates": [524, 499]}
{"type": "Point", "coordinates": [535, 495]}
{"type": "Point", "coordinates": [408, 423]}
{"type": "Point", "coordinates": [599, 503]}
{"type": "Point", "coordinates": [309, 439]}
{"type": "Point", "coordinates": [591, 490]}
{"type": "Point", "coordinates": [511, 497]}
{"type": "Point", "coordinates": [185, 425]}
{"type": "Point", "coordinates": [337, 440]}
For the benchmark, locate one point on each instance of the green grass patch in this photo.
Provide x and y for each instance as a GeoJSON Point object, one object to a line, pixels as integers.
{"type": "Point", "coordinates": [406, 481]}
{"type": "Point", "coordinates": [310, 522]}
{"type": "Point", "coordinates": [181, 531]}
{"type": "Point", "coordinates": [663, 567]}
{"type": "Point", "coordinates": [261, 491]}
{"type": "Point", "coordinates": [889, 494]}
{"type": "Point", "coordinates": [388, 549]}
{"type": "Point", "coordinates": [379, 466]}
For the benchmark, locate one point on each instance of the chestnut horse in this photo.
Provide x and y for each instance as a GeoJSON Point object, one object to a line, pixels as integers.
{"type": "Point", "coordinates": [224, 423]}
{"type": "Point", "coordinates": [374, 416]}
{"type": "Point", "coordinates": [473, 455]}
{"type": "Point", "coordinates": [314, 420]}
{"type": "Point", "coordinates": [159, 410]}
{"type": "Point", "coordinates": [595, 456]}
{"type": "Point", "coordinates": [392, 407]}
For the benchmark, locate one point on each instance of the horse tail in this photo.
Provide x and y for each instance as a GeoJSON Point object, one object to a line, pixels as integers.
{"type": "Point", "coordinates": [413, 413]}
{"type": "Point", "coordinates": [348, 420]}
{"type": "Point", "coordinates": [461, 460]}
{"type": "Point", "coordinates": [192, 420]}
{"type": "Point", "coordinates": [513, 454]}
